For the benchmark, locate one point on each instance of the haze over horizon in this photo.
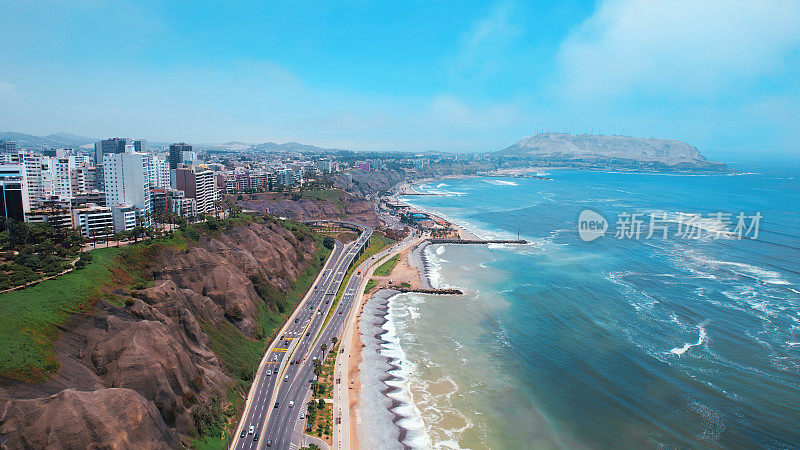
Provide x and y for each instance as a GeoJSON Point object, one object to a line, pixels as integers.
{"type": "Point", "coordinates": [477, 76]}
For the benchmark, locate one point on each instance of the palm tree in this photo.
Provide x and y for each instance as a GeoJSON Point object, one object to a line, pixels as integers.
{"type": "Point", "coordinates": [107, 234]}
{"type": "Point", "coordinates": [323, 347]}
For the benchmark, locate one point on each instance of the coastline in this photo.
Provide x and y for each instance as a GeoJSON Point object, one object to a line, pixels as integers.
{"type": "Point", "coordinates": [378, 385]}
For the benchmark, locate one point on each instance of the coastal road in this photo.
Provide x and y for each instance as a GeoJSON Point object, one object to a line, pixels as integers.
{"type": "Point", "coordinates": [284, 426]}
{"type": "Point", "coordinates": [275, 359]}
{"type": "Point", "coordinates": [278, 373]}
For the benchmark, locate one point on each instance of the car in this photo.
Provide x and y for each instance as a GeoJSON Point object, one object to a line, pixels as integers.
{"type": "Point", "coordinates": [308, 334]}
{"type": "Point", "coordinates": [251, 429]}
{"type": "Point", "coordinates": [269, 373]}
{"type": "Point", "coordinates": [277, 404]}
{"type": "Point", "coordinates": [302, 416]}
{"type": "Point", "coordinates": [244, 433]}
{"type": "Point", "coordinates": [315, 358]}
{"type": "Point", "coordinates": [269, 442]}
{"type": "Point", "coordinates": [291, 361]}
{"type": "Point", "coordinates": [340, 311]}
{"type": "Point", "coordinates": [275, 357]}
{"type": "Point", "coordinates": [327, 301]}
{"type": "Point", "coordinates": [296, 320]}
{"type": "Point", "coordinates": [291, 403]}
{"type": "Point", "coordinates": [255, 437]}
{"type": "Point", "coordinates": [275, 371]}
{"type": "Point", "coordinates": [286, 378]}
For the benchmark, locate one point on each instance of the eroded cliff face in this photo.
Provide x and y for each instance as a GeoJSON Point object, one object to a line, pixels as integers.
{"type": "Point", "coordinates": [145, 375]}
{"type": "Point", "coordinates": [354, 208]}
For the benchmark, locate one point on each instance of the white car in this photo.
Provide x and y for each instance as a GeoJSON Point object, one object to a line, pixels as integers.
{"type": "Point", "coordinates": [302, 416]}
{"type": "Point", "coordinates": [251, 430]}
{"type": "Point", "coordinates": [291, 403]}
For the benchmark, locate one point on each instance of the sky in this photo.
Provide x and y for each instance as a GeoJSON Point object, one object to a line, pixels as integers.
{"type": "Point", "coordinates": [458, 76]}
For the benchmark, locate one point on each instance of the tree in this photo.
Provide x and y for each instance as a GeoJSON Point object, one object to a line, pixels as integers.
{"type": "Point", "coordinates": [323, 347]}
{"type": "Point", "coordinates": [107, 233]}
{"type": "Point", "coordinates": [334, 339]}
{"type": "Point", "coordinates": [321, 404]}
{"type": "Point", "coordinates": [328, 242]}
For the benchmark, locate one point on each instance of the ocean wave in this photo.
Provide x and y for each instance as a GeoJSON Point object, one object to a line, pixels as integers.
{"type": "Point", "coordinates": [410, 416]}
{"type": "Point", "coordinates": [701, 339]}
{"type": "Point", "coordinates": [501, 182]}
{"type": "Point", "coordinates": [759, 274]}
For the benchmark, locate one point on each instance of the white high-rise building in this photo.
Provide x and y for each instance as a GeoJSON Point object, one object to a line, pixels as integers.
{"type": "Point", "coordinates": [13, 187]}
{"type": "Point", "coordinates": [160, 172]}
{"type": "Point", "coordinates": [33, 174]}
{"type": "Point", "coordinates": [62, 184]}
{"type": "Point", "coordinates": [198, 183]}
{"type": "Point", "coordinates": [127, 180]}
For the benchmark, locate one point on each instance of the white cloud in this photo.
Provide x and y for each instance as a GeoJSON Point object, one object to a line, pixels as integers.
{"type": "Point", "coordinates": [690, 48]}
{"type": "Point", "coordinates": [481, 46]}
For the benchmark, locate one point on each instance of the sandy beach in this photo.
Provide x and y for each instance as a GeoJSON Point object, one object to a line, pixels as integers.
{"type": "Point", "coordinates": [411, 270]}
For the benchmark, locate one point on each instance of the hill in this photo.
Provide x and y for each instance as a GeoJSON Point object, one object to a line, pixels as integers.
{"type": "Point", "coordinates": [611, 150]}
{"type": "Point", "coordinates": [54, 140]}
{"type": "Point", "coordinates": [152, 345]}
{"type": "Point", "coordinates": [293, 147]}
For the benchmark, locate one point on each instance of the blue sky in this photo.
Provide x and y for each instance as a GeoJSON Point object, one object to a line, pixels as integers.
{"type": "Point", "coordinates": [432, 75]}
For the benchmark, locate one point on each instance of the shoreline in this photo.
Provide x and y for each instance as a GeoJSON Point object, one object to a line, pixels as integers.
{"type": "Point", "coordinates": [372, 316]}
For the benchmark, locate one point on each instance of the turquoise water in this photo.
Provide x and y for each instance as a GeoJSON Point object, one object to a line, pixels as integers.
{"type": "Point", "coordinates": [643, 343]}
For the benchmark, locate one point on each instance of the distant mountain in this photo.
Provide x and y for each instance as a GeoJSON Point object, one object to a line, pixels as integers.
{"type": "Point", "coordinates": [71, 139]}
{"type": "Point", "coordinates": [612, 149]}
{"type": "Point", "coordinates": [293, 147]}
{"type": "Point", "coordinates": [38, 142]}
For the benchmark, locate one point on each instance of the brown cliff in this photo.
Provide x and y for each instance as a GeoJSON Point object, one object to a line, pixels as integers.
{"type": "Point", "coordinates": [145, 375]}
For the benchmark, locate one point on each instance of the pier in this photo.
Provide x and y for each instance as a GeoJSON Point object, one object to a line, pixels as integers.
{"type": "Point", "coordinates": [428, 291]}
{"type": "Point", "coordinates": [476, 241]}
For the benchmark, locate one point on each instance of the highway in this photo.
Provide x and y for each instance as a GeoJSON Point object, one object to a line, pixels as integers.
{"type": "Point", "coordinates": [278, 378]}
{"type": "Point", "coordinates": [285, 428]}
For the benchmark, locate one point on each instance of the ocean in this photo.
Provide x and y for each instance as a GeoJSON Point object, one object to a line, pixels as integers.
{"type": "Point", "coordinates": [692, 340]}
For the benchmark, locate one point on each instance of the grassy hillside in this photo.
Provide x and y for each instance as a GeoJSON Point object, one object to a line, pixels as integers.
{"type": "Point", "coordinates": [31, 317]}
